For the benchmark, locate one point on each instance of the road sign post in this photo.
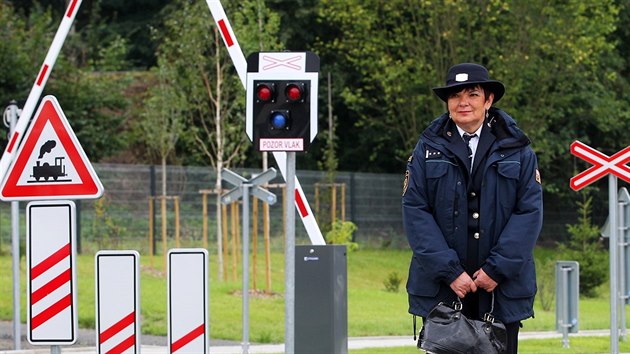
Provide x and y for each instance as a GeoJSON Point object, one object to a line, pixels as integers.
{"type": "Point", "coordinates": [117, 284]}
{"type": "Point", "coordinates": [243, 188]}
{"type": "Point", "coordinates": [614, 166]}
{"type": "Point", "coordinates": [51, 273]}
{"type": "Point", "coordinates": [187, 294]}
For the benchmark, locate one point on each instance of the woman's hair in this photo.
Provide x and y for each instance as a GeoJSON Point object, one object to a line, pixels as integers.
{"type": "Point", "coordinates": [458, 89]}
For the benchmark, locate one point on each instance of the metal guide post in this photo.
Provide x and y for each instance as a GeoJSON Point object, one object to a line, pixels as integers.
{"type": "Point", "coordinates": [289, 265]}
{"type": "Point", "coordinates": [243, 188]}
{"type": "Point", "coordinates": [11, 117]}
{"type": "Point", "coordinates": [240, 63]}
{"type": "Point", "coordinates": [614, 259]}
{"type": "Point", "coordinates": [623, 244]}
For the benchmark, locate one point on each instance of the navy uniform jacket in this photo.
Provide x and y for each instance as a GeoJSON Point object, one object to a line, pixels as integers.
{"type": "Point", "coordinates": [436, 223]}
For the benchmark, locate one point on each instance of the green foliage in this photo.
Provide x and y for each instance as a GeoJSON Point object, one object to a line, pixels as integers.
{"type": "Point", "coordinates": [557, 60]}
{"type": "Point", "coordinates": [546, 281]}
{"type": "Point", "coordinates": [105, 230]}
{"type": "Point", "coordinates": [392, 282]}
{"type": "Point", "coordinates": [585, 248]}
{"type": "Point", "coordinates": [342, 234]}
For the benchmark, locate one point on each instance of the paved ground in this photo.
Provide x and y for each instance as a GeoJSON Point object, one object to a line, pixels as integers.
{"type": "Point", "coordinates": [157, 345]}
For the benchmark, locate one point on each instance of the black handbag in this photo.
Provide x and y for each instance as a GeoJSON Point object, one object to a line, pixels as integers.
{"type": "Point", "coordinates": [447, 331]}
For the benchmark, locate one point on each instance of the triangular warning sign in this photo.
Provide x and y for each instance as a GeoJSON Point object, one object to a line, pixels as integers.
{"type": "Point", "coordinates": [50, 162]}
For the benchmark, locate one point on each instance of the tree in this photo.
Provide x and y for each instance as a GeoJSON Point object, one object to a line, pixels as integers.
{"type": "Point", "coordinates": [192, 48]}
{"type": "Point", "coordinates": [557, 61]}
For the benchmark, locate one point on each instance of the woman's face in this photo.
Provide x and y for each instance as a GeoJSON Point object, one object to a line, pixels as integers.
{"type": "Point", "coordinates": [468, 107]}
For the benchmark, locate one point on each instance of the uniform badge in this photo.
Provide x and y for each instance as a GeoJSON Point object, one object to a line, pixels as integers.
{"type": "Point", "coordinates": [538, 179]}
{"type": "Point", "coordinates": [432, 154]}
{"type": "Point", "coordinates": [405, 183]}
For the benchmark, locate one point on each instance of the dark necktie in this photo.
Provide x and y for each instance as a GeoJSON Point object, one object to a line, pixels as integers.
{"type": "Point", "coordinates": [467, 138]}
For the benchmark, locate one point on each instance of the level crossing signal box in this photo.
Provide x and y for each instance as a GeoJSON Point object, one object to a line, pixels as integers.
{"type": "Point", "coordinates": [281, 107]}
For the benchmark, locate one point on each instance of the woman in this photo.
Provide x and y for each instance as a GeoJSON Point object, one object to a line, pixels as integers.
{"type": "Point", "coordinates": [472, 206]}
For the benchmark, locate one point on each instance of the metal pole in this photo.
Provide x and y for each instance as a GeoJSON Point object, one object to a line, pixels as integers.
{"type": "Point", "coordinates": [623, 293]}
{"type": "Point", "coordinates": [15, 243]}
{"type": "Point", "coordinates": [565, 309]}
{"type": "Point", "coordinates": [614, 290]}
{"type": "Point", "coordinates": [289, 254]}
{"type": "Point", "coordinates": [55, 349]}
{"type": "Point", "coordinates": [245, 343]}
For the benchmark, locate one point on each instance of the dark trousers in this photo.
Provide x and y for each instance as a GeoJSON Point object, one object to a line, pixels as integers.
{"type": "Point", "coordinates": [512, 337]}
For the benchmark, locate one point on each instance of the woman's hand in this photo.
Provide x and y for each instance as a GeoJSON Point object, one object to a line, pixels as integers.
{"type": "Point", "coordinates": [482, 280]}
{"type": "Point", "coordinates": [463, 285]}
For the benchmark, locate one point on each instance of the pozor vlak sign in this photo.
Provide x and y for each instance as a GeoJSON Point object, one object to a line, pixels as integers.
{"type": "Point", "coordinates": [281, 107]}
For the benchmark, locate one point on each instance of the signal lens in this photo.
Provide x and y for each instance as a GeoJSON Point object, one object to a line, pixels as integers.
{"type": "Point", "coordinates": [294, 92]}
{"type": "Point", "coordinates": [264, 92]}
{"type": "Point", "coordinates": [279, 120]}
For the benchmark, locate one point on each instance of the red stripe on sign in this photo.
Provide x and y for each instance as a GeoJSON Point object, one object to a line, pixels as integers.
{"type": "Point", "coordinates": [124, 345]}
{"type": "Point", "coordinates": [42, 73]}
{"type": "Point", "coordinates": [71, 8]}
{"type": "Point", "coordinates": [51, 312]}
{"type": "Point", "coordinates": [300, 204]}
{"type": "Point", "coordinates": [183, 341]}
{"type": "Point", "coordinates": [117, 327]}
{"type": "Point", "coordinates": [13, 141]}
{"type": "Point", "coordinates": [225, 33]}
{"type": "Point", "coordinates": [51, 286]}
{"type": "Point", "coordinates": [47, 263]}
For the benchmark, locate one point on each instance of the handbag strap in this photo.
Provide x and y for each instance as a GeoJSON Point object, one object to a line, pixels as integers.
{"type": "Point", "coordinates": [487, 317]}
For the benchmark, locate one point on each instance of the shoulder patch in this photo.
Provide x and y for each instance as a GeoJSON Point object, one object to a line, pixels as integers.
{"type": "Point", "coordinates": [405, 183]}
{"type": "Point", "coordinates": [432, 154]}
{"type": "Point", "coordinates": [538, 179]}
{"type": "Point", "coordinates": [410, 159]}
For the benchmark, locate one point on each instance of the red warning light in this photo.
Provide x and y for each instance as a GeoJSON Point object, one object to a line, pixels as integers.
{"type": "Point", "coordinates": [294, 92]}
{"type": "Point", "coordinates": [264, 92]}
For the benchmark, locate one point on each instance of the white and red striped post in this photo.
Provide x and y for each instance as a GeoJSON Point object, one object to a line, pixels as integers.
{"type": "Point", "coordinates": [117, 284]}
{"type": "Point", "coordinates": [187, 298]}
{"type": "Point", "coordinates": [38, 86]}
{"type": "Point", "coordinates": [51, 273]}
{"type": "Point", "coordinates": [229, 38]}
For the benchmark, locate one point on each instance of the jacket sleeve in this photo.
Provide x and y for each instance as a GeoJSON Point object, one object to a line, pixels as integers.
{"type": "Point", "coordinates": [423, 234]}
{"type": "Point", "coordinates": [516, 241]}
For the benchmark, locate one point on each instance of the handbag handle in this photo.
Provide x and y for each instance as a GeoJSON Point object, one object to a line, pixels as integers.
{"type": "Point", "coordinates": [487, 317]}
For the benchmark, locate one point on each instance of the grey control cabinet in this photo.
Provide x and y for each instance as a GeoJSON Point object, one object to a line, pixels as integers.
{"type": "Point", "coordinates": [321, 299]}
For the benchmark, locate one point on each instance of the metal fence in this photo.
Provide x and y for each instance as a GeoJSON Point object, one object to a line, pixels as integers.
{"type": "Point", "coordinates": [120, 220]}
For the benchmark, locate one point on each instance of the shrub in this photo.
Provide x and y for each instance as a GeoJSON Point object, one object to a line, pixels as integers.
{"type": "Point", "coordinates": [392, 283]}
{"type": "Point", "coordinates": [342, 234]}
{"type": "Point", "coordinates": [585, 247]}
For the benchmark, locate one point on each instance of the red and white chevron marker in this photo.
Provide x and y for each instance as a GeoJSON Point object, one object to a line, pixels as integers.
{"type": "Point", "coordinates": [187, 291]}
{"type": "Point", "coordinates": [602, 165]}
{"type": "Point", "coordinates": [51, 276]}
{"type": "Point", "coordinates": [38, 86]}
{"type": "Point", "coordinates": [117, 302]}
{"type": "Point", "coordinates": [240, 63]}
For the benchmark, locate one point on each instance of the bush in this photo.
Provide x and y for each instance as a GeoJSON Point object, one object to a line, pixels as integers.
{"type": "Point", "coordinates": [585, 247]}
{"type": "Point", "coordinates": [392, 283]}
{"type": "Point", "coordinates": [342, 233]}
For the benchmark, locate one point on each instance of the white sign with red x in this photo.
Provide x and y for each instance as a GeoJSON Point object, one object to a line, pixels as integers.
{"type": "Point", "coordinates": [602, 165]}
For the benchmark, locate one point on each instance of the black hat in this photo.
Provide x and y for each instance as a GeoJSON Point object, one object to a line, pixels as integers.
{"type": "Point", "coordinates": [465, 74]}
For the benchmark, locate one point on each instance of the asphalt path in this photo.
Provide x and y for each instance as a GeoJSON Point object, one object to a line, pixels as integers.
{"type": "Point", "coordinates": [157, 344]}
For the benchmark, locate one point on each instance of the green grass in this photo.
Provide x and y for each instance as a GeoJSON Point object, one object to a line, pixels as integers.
{"type": "Point", "coordinates": [372, 311]}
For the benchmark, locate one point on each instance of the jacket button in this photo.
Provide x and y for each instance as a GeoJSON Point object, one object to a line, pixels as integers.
{"type": "Point", "coordinates": [473, 194]}
{"type": "Point", "coordinates": [475, 215]}
{"type": "Point", "coordinates": [476, 235]}
{"type": "Point", "coordinates": [456, 212]}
